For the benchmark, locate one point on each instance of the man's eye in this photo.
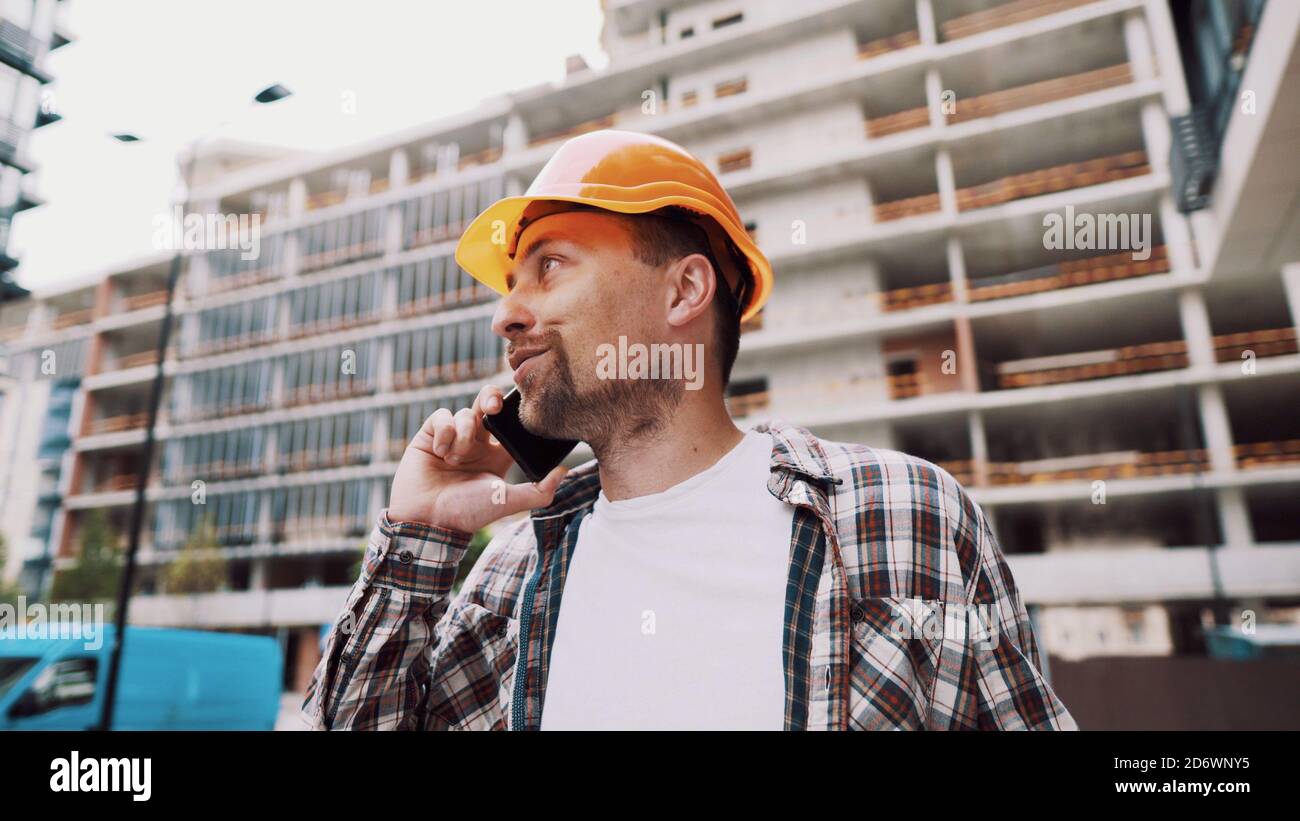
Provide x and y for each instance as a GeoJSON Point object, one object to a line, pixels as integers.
{"type": "Point", "coordinates": [545, 261]}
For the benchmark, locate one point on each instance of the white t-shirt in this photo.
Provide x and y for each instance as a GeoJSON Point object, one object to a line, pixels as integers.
{"type": "Point", "coordinates": [673, 607]}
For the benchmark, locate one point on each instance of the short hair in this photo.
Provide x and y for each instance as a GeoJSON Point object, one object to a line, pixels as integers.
{"type": "Point", "coordinates": [668, 234]}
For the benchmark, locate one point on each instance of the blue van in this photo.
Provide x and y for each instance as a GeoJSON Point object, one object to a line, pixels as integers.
{"type": "Point", "coordinates": [169, 680]}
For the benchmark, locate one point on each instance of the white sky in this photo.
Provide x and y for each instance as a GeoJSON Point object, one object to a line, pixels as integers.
{"type": "Point", "coordinates": [171, 70]}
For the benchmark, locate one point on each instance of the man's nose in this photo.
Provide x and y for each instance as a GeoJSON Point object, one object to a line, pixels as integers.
{"type": "Point", "coordinates": [513, 316]}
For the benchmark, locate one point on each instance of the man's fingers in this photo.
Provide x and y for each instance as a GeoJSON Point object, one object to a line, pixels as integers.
{"type": "Point", "coordinates": [489, 400]}
{"type": "Point", "coordinates": [467, 426]}
{"type": "Point", "coordinates": [529, 495]}
{"type": "Point", "coordinates": [443, 430]}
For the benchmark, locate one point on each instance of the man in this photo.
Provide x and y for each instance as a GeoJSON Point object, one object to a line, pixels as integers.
{"type": "Point", "coordinates": [692, 575]}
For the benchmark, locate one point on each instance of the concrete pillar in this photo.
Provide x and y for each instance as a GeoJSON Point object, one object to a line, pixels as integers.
{"type": "Point", "coordinates": [967, 362]}
{"type": "Point", "coordinates": [393, 231]}
{"type": "Point", "coordinates": [979, 446]}
{"type": "Point", "coordinates": [1291, 284]}
{"type": "Point", "coordinates": [297, 197]}
{"type": "Point", "coordinates": [947, 182]}
{"type": "Point", "coordinates": [384, 367]}
{"type": "Point", "coordinates": [957, 270]}
{"type": "Point", "coordinates": [257, 574]}
{"type": "Point", "coordinates": [1196, 329]}
{"type": "Point", "coordinates": [1234, 518]}
{"type": "Point", "coordinates": [1137, 40]}
{"type": "Point", "coordinates": [934, 97]}
{"type": "Point", "coordinates": [1178, 238]}
{"type": "Point", "coordinates": [925, 23]}
{"type": "Point", "coordinates": [1156, 136]}
{"type": "Point", "coordinates": [379, 435]}
{"type": "Point", "coordinates": [1216, 428]}
{"type": "Point", "coordinates": [399, 168]}
{"type": "Point", "coordinates": [514, 137]}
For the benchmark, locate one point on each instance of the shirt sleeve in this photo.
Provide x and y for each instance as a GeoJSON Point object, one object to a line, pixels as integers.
{"type": "Point", "coordinates": [1011, 692]}
{"type": "Point", "coordinates": [378, 659]}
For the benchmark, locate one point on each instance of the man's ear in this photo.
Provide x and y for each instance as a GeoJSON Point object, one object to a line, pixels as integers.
{"type": "Point", "coordinates": [691, 281]}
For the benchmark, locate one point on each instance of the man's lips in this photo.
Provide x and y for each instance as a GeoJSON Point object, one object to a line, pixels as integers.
{"type": "Point", "coordinates": [520, 361]}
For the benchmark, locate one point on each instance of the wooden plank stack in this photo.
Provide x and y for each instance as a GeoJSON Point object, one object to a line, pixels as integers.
{"type": "Point", "coordinates": [1060, 88]}
{"type": "Point", "coordinates": [909, 207]}
{"type": "Point", "coordinates": [884, 45]}
{"type": "Point", "coordinates": [900, 121]}
{"type": "Point", "coordinates": [1266, 454]}
{"type": "Point", "coordinates": [1004, 15]}
{"type": "Point", "coordinates": [1054, 179]}
{"type": "Point", "coordinates": [735, 160]}
{"type": "Point", "coordinates": [1075, 273]}
{"type": "Point", "coordinates": [1130, 359]}
{"type": "Point", "coordinates": [1275, 342]}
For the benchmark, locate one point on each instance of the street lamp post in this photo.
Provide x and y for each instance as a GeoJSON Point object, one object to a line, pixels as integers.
{"type": "Point", "coordinates": [270, 94]}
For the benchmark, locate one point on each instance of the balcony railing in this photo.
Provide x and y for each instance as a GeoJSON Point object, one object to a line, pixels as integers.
{"type": "Point", "coordinates": [114, 424]}
{"type": "Point", "coordinates": [1080, 367]}
{"type": "Point", "coordinates": [909, 207]}
{"type": "Point", "coordinates": [906, 385]}
{"type": "Point", "coordinates": [146, 300]}
{"type": "Point", "coordinates": [1068, 275]}
{"type": "Point", "coordinates": [122, 481]}
{"type": "Point", "coordinates": [1275, 342]}
{"type": "Point", "coordinates": [438, 374]}
{"type": "Point", "coordinates": [222, 470]}
{"type": "Point", "coordinates": [885, 45]}
{"type": "Point", "coordinates": [900, 121]}
{"type": "Point", "coordinates": [437, 233]}
{"type": "Point", "coordinates": [1047, 91]}
{"type": "Point", "coordinates": [581, 128]}
{"type": "Point", "coordinates": [1267, 454]}
{"type": "Point", "coordinates": [71, 318]}
{"type": "Point", "coordinates": [731, 88]}
{"type": "Point", "coordinates": [135, 360]}
{"type": "Point", "coordinates": [311, 394]}
{"type": "Point", "coordinates": [1094, 466]}
{"type": "Point", "coordinates": [342, 255]}
{"type": "Point", "coordinates": [304, 528]}
{"type": "Point", "coordinates": [456, 298]}
{"type": "Point", "coordinates": [1051, 180]}
{"type": "Point", "coordinates": [244, 279]}
{"type": "Point", "coordinates": [340, 456]}
{"type": "Point", "coordinates": [1153, 356]}
{"type": "Point", "coordinates": [903, 299]}
{"type": "Point", "coordinates": [1007, 14]}
{"type": "Point", "coordinates": [735, 161]}
{"type": "Point", "coordinates": [329, 325]}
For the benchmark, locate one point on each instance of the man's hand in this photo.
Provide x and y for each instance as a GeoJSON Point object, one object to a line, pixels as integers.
{"type": "Point", "coordinates": [452, 473]}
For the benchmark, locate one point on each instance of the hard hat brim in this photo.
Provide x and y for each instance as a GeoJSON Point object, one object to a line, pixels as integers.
{"type": "Point", "coordinates": [484, 249]}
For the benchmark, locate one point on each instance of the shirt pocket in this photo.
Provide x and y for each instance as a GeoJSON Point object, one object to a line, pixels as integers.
{"type": "Point", "coordinates": [894, 653]}
{"type": "Point", "coordinates": [477, 671]}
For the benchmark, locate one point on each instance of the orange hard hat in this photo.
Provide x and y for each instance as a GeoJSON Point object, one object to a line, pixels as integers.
{"type": "Point", "coordinates": [630, 173]}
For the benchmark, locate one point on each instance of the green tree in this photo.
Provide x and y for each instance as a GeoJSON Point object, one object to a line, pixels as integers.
{"type": "Point", "coordinates": [97, 573]}
{"type": "Point", "coordinates": [199, 568]}
{"type": "Point", "coordinates": [9, 592]}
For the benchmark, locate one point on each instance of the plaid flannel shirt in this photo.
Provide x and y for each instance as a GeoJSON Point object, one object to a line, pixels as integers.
{"type": "Point", "coordinates": [881, 542]}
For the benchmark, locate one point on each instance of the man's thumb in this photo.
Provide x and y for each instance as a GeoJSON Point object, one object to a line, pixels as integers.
{"type": "Point", "coordinates": [536, 494]}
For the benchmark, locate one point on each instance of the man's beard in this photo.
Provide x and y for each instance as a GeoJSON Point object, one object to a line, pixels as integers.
{"type": "Point", "coordinates": [613, 411]}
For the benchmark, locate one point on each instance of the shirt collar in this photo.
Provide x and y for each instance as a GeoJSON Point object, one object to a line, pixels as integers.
{"type": "Point", "coordinates": [794, 450]}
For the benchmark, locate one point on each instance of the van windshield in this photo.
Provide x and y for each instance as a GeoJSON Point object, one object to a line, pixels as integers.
{"type": "Point", "coordinates": [13, 669]}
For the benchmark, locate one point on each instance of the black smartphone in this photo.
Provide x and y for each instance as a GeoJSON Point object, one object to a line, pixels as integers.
{"type": "Point", "coordinates": [535, 455]}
